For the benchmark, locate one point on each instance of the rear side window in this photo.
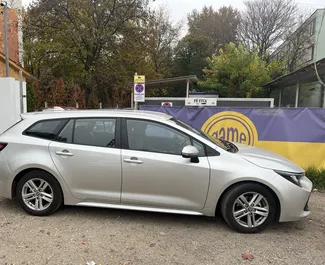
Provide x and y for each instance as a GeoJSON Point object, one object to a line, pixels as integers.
{"type": "Point", "coordinates": [45, 129]}
{"type": "Point", "coordinates": [65, 135]}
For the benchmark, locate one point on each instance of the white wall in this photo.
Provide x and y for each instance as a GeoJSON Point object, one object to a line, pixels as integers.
{"type": "Point", "coordinates": [10, 106]}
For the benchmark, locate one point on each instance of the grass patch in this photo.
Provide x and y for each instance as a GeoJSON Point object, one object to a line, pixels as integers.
{"type": "Point", "coordinates": [317, 176]}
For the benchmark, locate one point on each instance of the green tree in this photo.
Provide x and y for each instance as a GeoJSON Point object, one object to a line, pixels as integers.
{"type": "Point", "coordinates": [74, 39]}
{"type": "Point", "coordinates": [237, 72]}
{"type": "Point", "coordinates": [219, 26]}
{"type": "Point", "coordinates": [59, 94]}
{"type": "Point", "coordinates": [190, 55]}
{"type": "Point", "coordinates": [76, 95]}
{"type": "Point", "coordinates": [31, 98]}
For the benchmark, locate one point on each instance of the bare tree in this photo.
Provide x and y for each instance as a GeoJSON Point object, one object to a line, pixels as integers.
{"type": "Point", "coordinates": [219, 26]}
{"type": "Point", "coordinates": [14, 3]}
{"type": "Point", "coordinates": [264, 23]}
{"type": "Point", "coordinates": [162, 37]}
{"type": "Point", "coordinates": [298, 41]}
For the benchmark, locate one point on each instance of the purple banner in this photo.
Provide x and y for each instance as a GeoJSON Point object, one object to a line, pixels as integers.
{"type": "Point", "coordinates": [284, 125]}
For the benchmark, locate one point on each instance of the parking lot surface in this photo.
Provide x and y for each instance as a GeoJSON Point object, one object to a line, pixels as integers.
{"type": "Point", "coordinates": [76, 235]}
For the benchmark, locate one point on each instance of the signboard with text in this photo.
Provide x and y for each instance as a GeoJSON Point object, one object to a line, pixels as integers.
{"type": "Point", "coordinates": [139, 92]}
{"type": "Point", "coordinates": [211, 102]}
{"type": "Point", "coordinates": [139, 79]}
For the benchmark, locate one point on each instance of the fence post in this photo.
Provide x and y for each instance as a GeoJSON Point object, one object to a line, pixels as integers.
{"type": "Point", "coordinates": [132, 99]}
{"type": "Point", "coordinates": [324, 96]}
{"type": "Point", "coordinates": [21, 92]}
{"type": "Point", "coordinates": [187, 88]}
{"type": "Point", "coordinates": [297, 94]}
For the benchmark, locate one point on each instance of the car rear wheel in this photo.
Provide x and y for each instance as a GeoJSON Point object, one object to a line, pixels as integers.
{"type": "Point", "coordinates": [248, 208]}
{"type": "Point", "coordinates": [39, 193]}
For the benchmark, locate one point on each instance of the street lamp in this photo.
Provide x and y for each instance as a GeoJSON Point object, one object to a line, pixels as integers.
{"type": "Point", "coordinates": [4, 4]}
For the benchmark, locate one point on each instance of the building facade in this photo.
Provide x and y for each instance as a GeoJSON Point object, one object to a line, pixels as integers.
{"type": "Point", "coordinates": [15, 33]}
{"type": "Point", "coordinates": [14, 69]}
{"type": "Point", "coordinates": [304, 54]}
{"type": "Point", "coordinates": [305, 45]}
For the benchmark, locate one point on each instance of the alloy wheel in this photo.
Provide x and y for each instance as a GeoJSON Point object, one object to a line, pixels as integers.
{"type": "Point", "coordinates": [250, 209]}
{"type": "Point", "coordinates": [37, 194]}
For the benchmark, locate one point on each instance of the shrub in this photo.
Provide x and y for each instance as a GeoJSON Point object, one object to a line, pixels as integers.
{"type": "Point", "coordinates": [317, 176]}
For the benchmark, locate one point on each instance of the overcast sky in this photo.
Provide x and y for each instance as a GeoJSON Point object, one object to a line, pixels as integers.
{"type": "Point", "coordinates": [180, 8]}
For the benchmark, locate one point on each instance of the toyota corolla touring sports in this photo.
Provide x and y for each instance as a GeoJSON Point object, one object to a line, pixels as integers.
{"type": "Point", "coordinates": [146, 161]}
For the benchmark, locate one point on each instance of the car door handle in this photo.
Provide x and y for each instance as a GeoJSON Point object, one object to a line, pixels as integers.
{"type": "Point", "coordinates": [64, 153]}
{"type": "Point", "coordinates": [133, 160]}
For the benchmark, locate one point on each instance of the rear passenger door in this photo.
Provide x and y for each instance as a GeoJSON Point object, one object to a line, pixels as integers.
{"type": "Point", "coordinates": [88, 156]}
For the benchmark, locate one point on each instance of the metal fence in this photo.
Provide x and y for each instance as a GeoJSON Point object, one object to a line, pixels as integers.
{"type": "Point", "coordinates": [221, 102]}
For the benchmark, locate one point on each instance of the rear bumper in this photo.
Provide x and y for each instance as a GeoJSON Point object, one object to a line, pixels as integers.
{"type": "Point", "coordinates": [5, 178]}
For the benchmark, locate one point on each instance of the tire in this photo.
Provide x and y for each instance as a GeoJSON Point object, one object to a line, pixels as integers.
{"type": "Point", "coordinates": [251, 217]}
{"type": "Point", "coordinates": [42, 192]}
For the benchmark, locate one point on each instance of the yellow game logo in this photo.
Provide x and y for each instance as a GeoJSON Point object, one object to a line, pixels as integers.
{"type": "Point", "coordinates": [231, 126]}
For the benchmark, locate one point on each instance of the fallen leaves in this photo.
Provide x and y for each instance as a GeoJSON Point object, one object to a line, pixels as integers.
{"type": "Point", "coordinates": [247, 256]}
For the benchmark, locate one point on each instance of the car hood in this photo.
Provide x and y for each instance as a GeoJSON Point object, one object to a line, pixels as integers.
{"type": "Point", "coordinates": [266, 159]}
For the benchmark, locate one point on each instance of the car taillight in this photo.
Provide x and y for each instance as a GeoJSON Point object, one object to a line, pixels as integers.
{"type": "Point", "coordinates": [2, 146]}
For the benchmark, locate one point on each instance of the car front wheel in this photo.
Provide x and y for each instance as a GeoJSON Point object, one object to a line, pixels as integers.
{"type": "Point", "coordinates": [248, 207]}
{"type": "Point", "coordinates": [39, 193]}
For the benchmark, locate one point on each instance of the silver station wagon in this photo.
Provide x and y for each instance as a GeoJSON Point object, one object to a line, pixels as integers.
{"type": "Point", "coordinates": [146, 161]}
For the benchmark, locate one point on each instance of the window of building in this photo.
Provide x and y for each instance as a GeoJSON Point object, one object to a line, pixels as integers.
{"type": "Point", "coordinates": [311, 27]}
{"type": "Point", "coordinates": [311, 95]}
{"type": "Point", "coordinates": [275, 93]}
{"type": "Point", "coordinates": [308, 54]}
{"type": "Point", "coordinates": [288, 97]}
{"type": "Point", "coordinates": [45, 129]}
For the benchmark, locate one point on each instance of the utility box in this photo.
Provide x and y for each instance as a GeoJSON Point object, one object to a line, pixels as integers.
{"type": "Point", "coordinates": [13, 102]}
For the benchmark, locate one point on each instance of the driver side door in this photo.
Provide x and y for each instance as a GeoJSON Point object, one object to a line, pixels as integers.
{"type": "Point", "coordinates": [155, 173]}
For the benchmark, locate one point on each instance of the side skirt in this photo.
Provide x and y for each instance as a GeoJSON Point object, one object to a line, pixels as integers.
{"type": "Point", "coordinates": [136, 208]}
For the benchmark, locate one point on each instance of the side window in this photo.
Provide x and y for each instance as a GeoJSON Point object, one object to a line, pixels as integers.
{"type": "Point", "coordinates": [199, 147]}
{"type": "Point", "coordinates": [155, 137]}
{"type": "Point", "coordinates": [66, 134]}
{"type": "Point", "coordinates": [45, 129]}
{"type": "Point", "coordinates": [95, 132]}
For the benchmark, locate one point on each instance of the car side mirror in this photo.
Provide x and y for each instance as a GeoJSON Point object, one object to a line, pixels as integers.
{"type": "Point", "coordinates": [190, 151]}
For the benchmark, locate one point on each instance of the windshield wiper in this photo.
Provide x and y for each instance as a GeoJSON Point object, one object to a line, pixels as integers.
{"type": "Point", "coordinates": [230, 146]}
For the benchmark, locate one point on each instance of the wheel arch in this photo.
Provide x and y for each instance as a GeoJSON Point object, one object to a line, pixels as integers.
{"type": "Point", "coordinates": [275, 196]}
{"type": "Point", "coordinates": [22, 173]}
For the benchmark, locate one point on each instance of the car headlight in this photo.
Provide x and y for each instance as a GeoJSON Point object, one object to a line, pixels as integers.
{"type": "Point", "coordinates": [292, 177]}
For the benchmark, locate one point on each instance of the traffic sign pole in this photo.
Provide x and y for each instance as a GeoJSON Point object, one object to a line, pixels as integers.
{"type": "Point", "coordinates": [139, 89]}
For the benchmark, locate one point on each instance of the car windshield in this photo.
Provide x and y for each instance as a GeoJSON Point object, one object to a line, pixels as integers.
{"type": "Point", "coordinates": [222, 144]}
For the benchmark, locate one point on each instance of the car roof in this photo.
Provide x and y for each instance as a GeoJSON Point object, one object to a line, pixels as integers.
{"type": "Point", "coordinates": [57, 114]}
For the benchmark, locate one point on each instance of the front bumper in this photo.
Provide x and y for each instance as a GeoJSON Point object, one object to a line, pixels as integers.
{"type": "Point", "coordinates": [306, 209]}
{"type": "Point", "coordinates": [293, 200]}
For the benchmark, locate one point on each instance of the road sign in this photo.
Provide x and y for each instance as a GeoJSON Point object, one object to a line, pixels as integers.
{"type": "Point", "coordinates": [211, 102]}
{"type": "Point", "coordinates": [139, 79]}
{"type": "Point", "coordinates": [166, 104]}
{"type": "Point", "coordinates": [139, 92]}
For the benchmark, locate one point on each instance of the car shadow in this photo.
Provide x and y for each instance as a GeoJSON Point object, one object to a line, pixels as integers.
{"type": "Point", "coordinates": [130, 216]}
